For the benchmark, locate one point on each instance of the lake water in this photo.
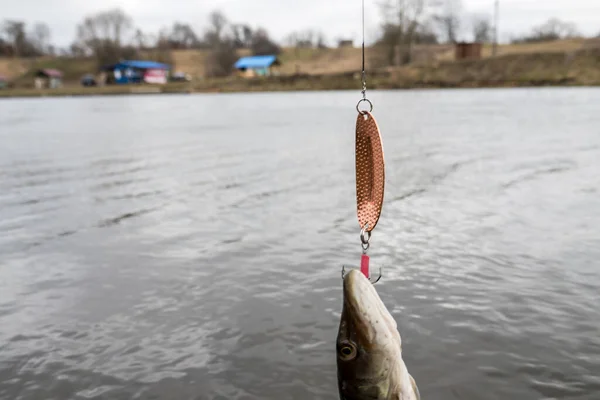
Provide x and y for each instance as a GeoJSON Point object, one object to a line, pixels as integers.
{"type": "Point", "coordinates": [190, 247]}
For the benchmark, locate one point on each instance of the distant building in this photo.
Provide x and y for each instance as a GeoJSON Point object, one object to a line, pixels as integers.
{"type": "Point", "coordinates": [48, 78]}
{"type": "Point", "coordinates": [464, 50]}
{"type": "Point", "coordinates": [346, 43]}
{"type": "Point", "coordinates": [88, 80]}
{"type": "Point", "coordinates": [133, 71]}
{"type": "Point", "coordinates": [181, 77]}
{"type": "Point", "coordinates": [257, 65]}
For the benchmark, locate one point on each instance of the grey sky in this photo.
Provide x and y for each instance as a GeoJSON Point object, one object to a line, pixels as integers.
{"type": "Point", "coordinates": [336, 18]}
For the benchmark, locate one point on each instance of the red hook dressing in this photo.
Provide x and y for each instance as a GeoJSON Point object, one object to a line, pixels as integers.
{"type": "Point", "coordinates": [364, 265]}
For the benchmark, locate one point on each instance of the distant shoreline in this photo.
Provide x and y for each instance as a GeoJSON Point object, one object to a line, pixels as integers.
{"type": "Point", "coordinates": [562, 63]}
{"type": "Point", "coordinates": [277, 85]}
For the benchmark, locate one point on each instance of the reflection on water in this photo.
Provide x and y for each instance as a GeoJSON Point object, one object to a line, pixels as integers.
{"type": "Point", "coordinates": [190, 247]}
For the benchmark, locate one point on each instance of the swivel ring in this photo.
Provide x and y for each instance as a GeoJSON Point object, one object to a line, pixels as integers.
{"type": "Point", "coordinates": [364, 111]}
{"type": "Point", "coordinates": [363, 231]}
{"type": "Point", "coordinates": [365, 247]}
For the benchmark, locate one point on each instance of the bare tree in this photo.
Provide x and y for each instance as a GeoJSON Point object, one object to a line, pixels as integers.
{"type": "Point", "coordinates": [262, 43]}
{"type": "Point", "coordinates": [41, 37]}
{"type": "Point", "coordinates": [247, 36]}
{"type": "Point", "coordinates": [140, 39]}
{"type": "Point", "coordinates": [183, 36]}
{"type": "Point", "coordinates": [482, 28]}
{"type": "Point", "coordinates": [17, 40]}
{"type": "Point", "coordinates": [156, 47]}
{"type": "Point", "coordinates": [221, 59]}
{"type": "Point", "coordinates": [307, 39]}
{"type": "Point", "coordinates": [242, 35]}
{"type": "Point", "coordinates": [321, 41]}
{"type": "Point", "coordinates": [556, 29]}
{"type": "Point", "coordinates": [103, 35]}
{"type": "Point", "coordinates": [402, 19]}
{"type": "Point", "coordinates": [301, 39]}
{"type": "Point", "coordinates": [180, 36]}
{"type": "Point", "coordinates": [425, 34]}
{"type": "Point", "coordinates": [449, 19]}
{"type": "Point", "coordinates": [75, 50]}
{"type": "Point", "coordinates": [238, 35]}
{"type": "Point", "coordinates": [14, 31]}
{"type": "Point", "coordinates": [6, 48]}
{"type": "Point", "coordinates": [222, 44]}
{"type": "Point", "coordinates": [553, 29]}
{"type": "Point", "coordinates": [218, 23]}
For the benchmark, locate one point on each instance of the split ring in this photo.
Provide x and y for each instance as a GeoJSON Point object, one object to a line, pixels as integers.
{"type": "Point", "coordinates": [364, 111]}
{"type": "Point", "coordinates": [365, 241]}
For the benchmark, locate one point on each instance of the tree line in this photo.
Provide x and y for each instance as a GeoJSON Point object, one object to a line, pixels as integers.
{"type": "Point", "coordinates": [19, 41]}
{"type": "Point", "coordinates": [411, 22]}
{"type": "Point", "coordinates": [111, 35]}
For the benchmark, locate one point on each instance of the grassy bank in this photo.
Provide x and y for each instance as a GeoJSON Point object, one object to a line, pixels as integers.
{"type": "Point", "coordinates": [517, 69]}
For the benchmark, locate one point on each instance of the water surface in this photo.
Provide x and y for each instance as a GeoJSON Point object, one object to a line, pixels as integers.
{"type": "Point", "coordinates": [190, 247]}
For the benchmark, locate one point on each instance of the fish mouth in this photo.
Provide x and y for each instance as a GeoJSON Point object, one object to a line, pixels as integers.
{"type": "Point", "coordinates": [366, 309]}
{"type": "Point", "coordinates": [359, 293]}
{"type": "Point", "coordinates": [362, 302]}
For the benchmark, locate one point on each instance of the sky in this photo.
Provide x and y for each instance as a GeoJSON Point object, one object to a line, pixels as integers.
{"type": "Point", "coordinates": [335, 18]}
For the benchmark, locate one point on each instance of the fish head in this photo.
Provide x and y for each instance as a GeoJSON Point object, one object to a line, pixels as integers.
{"type": "Point", "coordinates": [369, 347]}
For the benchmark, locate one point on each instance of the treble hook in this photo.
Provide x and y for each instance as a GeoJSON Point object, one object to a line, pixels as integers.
{"type": "Point", "coordinates": [369, 278]}
{"type": "Point", "coordinates": [365, 237]}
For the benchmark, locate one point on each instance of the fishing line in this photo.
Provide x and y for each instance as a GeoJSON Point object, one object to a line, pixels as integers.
{"type": "Point", "coordinates": [364, 76]}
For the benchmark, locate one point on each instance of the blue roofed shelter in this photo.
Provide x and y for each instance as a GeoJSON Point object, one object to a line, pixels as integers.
{"type": "Point", "coordinates": [257, 65]}
{"type": "Point", "coordinates": [137, 71]}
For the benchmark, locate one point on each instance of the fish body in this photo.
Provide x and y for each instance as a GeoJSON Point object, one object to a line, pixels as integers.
{"type": "Point", "coordinates": [369, 347]}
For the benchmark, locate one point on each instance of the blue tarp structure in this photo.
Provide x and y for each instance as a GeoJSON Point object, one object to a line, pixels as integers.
{"type": "Point", "coordinates": [260, 63]}
{"type": "Point", "coordinates": [132, 71]}
{"type": "Point", "coordinates": [141, 64]}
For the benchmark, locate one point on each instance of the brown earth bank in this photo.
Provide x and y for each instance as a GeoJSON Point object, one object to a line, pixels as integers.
{"type": "Point", "coordinates": [573, 62]}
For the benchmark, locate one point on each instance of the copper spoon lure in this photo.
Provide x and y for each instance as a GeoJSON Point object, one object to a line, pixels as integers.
{"type": "Point", "coordinates": [370, 170]}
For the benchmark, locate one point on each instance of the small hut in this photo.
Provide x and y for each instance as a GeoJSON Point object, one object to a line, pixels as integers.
{"type": "Point", "coordinates": [48, 78]}
{"type": "Point", "coordinates": [464, 50]}
{"type": "Point", "coordinates": [257, 65]}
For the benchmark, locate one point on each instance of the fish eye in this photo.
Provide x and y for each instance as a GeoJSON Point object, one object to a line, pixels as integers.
{"type": "Point", "coordinates": [347, 351]}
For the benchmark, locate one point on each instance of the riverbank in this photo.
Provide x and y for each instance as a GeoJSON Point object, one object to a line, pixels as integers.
{"type": "Point", "coordinates": [577, 68]}
{"type": "Point", "coordinates": [277, 85]}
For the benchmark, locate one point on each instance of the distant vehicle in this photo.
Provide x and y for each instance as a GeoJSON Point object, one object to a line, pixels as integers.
{"type": "Point", "coordinates": [88, 80]}
{"type": "Point", "coordinates": [180, 77]}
